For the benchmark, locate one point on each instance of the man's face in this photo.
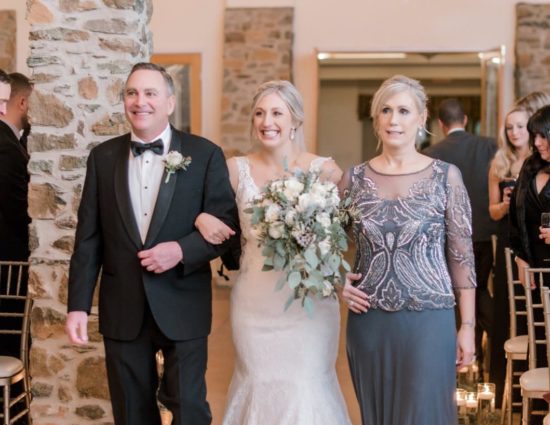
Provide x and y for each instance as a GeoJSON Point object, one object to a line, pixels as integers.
{"type": "Point", "coordinates": [147, 103]}
{"type": "Point", "coordinates": [5, 90]}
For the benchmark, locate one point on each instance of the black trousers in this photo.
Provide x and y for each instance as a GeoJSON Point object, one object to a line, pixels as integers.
{"type": "Point", "coordinates": [483, 252]}
{"type": "Point", "coordinates": [133, 378]}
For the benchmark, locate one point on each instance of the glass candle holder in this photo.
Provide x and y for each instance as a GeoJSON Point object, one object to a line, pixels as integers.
{"type": "Point", "coordinates": [471, 401]}
{"type": "Point", "coordinates": [485, 401]}
{"type": "Point", "coordinates": [460, 396]}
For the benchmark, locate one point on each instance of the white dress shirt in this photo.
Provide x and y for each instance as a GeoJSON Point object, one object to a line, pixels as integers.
{"type": "Point", "coordinates": [144, 179]}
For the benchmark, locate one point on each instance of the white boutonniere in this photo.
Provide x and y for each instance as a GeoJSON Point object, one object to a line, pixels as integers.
{"type": "Point", "coordinates": [175, 161]}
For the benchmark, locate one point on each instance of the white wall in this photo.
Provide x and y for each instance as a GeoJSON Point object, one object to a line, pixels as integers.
{"type": "Point", "coordinates": [346, 25]}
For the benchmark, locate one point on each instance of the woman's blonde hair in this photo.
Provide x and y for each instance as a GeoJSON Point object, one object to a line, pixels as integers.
{"type": "Point", "coordinates": [533, 101]}
{"type": "Point", "coordinates": [394, 85]}
{"type": "Point", "coordinates": [293, 100]}
{"type": "Point", "coordinates": [506, 154]}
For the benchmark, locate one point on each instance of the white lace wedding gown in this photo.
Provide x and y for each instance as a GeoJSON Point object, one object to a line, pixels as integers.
{"type": "Point", "coordinates": [285, 361]}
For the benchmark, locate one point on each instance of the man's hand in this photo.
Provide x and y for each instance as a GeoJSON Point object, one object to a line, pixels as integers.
{"type": "Point", "coordinates": [77, 327]}
{"type": "Point", "coordinates": [161, 257]}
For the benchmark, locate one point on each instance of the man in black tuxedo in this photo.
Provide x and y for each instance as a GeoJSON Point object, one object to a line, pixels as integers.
{"type": "Point", "coordinates": [136, 220]}
{"type": "Point", "coordinates": [472, 154]}
{"type": "Point", "coordinates": [14, 178]}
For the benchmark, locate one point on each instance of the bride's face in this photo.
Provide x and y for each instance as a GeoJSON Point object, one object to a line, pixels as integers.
{"type": "Point", "coordinates": [272, 121]}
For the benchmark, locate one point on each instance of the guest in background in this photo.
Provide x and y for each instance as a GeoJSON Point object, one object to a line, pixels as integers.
{"type": "Point", "coordinates": [472, 155]}
{"type": "Point", "coordinates": [414, 248]}
{"type": "Point", "coordinates": [14, 178]}
{"type": "Point", "coordinates": [529, 240]}
{"type": "Point", "coordinates": [14, 218]}
{"type": "Point", "coordinates": [513, 149]}
{"type": "Point", "coordinates": [532, 197]}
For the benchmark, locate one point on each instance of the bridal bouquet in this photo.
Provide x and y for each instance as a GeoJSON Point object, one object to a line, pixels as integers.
{"type": "Point", "coordinates": [299, 220]}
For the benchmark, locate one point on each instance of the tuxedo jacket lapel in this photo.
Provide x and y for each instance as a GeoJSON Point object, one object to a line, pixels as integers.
{"type": "Point", "coordinates": [165, 195]}
{"type": "Point", "coordinates": [122, 194]}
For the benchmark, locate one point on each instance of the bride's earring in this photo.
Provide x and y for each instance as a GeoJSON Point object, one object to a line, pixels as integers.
{"type": "Point", "coordinates": [292, 134]}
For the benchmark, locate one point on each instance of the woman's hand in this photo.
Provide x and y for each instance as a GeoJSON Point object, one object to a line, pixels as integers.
{"type": "Point", "coordinates": [522, 265]}
{"type": "Point", "coordinates": [465, 345]}
{"type": "Point", "coordinates": [212, 229]}
{"type": "Point", "coordinates": [356, 300]}
{"type": "Point", "coordinates": [545, 234]}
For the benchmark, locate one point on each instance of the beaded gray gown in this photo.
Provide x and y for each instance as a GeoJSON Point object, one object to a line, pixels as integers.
{"type": "Point", "coordinates": [414, 246]}
{"type": "Point", "coordinates": [284, 360]}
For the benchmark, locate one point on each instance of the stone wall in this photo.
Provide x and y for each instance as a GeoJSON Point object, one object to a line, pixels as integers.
{"type": "Point", "coordinates": [257, 48]}
{"type": "Point", "coordinates": [81, 53]}
{"type": "Point", "coordinates": [532, 48]}
{"type": "Point", "coordinates": [8, 29]}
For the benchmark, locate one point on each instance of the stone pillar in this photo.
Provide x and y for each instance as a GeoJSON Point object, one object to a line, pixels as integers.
{"type": "Point", "coordinates": [532, 48]}
{"type": "Point", "coordinates": [81, 53]}
{"type": "Point", "coordinates": [258, 48]}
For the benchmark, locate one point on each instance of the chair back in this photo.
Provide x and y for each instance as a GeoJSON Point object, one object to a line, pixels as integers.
{"type": "Point", "coordinates": [537, 275]}
{"type": "Point", "coordinates": [15, 303]}
{"type": "Point", "coordinates": [516, 294]}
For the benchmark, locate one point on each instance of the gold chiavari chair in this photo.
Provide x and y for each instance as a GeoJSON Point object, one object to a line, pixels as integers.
{"type": "Point", "coordinates": [546, 306]}
{"type": "Point", "coordinates": [15, 307]}
{"type": "Point", "coordinates": [515, 348]}
{"type": "Point", "coordinates": [534, 382]}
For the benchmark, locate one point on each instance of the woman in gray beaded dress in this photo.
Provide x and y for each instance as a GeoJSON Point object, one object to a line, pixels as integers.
{"type": "Point", "coordinates": [414, 261]}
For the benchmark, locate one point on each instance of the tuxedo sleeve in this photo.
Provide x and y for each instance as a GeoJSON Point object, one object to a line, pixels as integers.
{"type": "Point", "coordinates": [219, 201]}
{"type": "Point", "coordinates": [85, 261]}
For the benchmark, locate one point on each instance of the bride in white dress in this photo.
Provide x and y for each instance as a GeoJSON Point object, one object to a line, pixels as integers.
{"type": "Point", "coordinates": [285, 361]}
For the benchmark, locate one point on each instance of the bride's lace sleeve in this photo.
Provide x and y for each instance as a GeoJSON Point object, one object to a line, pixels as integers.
{"type": "Point", "coordinates": [458, 224]}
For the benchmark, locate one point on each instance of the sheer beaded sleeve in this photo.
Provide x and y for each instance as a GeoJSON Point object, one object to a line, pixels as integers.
{"type": "Point", "coordinates": [458, 224]}
{"type": "Point", "coordinates": [345, 183]}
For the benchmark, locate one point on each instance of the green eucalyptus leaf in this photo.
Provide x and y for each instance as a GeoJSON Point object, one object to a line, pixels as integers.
{"type": "Point", "coordinates": [311, 257]}
{"type": "Point", "coordinates": [294, 279]}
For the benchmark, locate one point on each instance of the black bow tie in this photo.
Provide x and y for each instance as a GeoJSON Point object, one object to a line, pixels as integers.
{"type": "Point", "coordinates": [138, 148]}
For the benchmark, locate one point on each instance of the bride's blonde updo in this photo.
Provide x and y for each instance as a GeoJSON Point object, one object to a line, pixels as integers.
{"type": "Point", "coordinates": [293, 100]}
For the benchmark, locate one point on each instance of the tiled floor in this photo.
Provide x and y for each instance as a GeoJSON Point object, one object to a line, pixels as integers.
{"type": "Point", "coordinates": [221, 356]}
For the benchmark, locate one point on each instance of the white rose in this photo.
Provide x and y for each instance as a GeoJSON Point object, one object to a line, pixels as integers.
{"type": "Point", "coordinates": [319, 189]}
{"type": "Point", "coordinates": [174, 158]}
{"type": "Point", "coordinates": [276, 230]}
{"type": "Point", "coordinates": [323, 219]}
{"type": "Point", "coordinates": [290, 217]}
{"type": "Point", "coordinates": [324, 246]}
{"type": "Point", "coordinates": [318, 201]}
{"type": "Point", "coordinates": [293, 188]}
{"type": "Point", "coordinates": [272, 213]}
{"type": "Point", "coordinates": [303, 202]}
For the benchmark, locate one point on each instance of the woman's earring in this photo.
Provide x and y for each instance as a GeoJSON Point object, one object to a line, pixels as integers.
{"type": "Point", "coordinates": [292, 134]}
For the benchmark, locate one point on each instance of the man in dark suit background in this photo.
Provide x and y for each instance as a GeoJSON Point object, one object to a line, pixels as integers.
{"type": "Point", "coordinates": [136, 221]}
{"type": "Point", "coordinates": [472, 154]}
{"type": "Point", "coordinates": [14, 178]}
